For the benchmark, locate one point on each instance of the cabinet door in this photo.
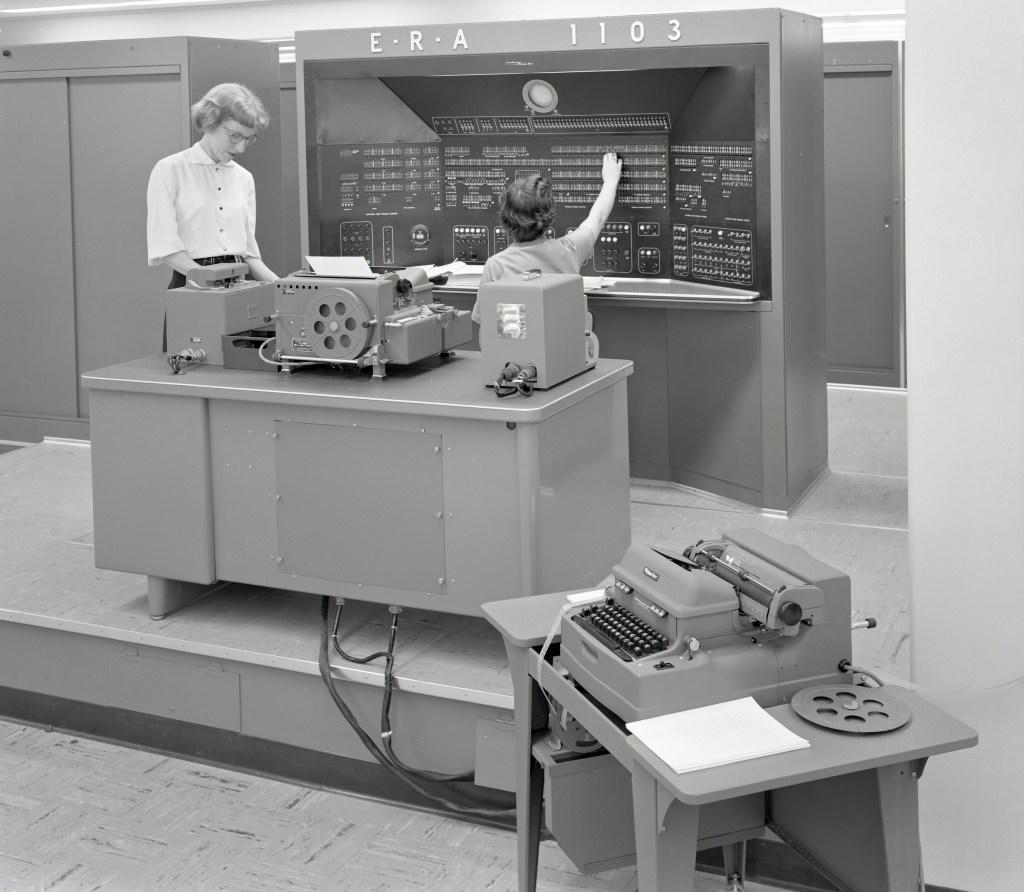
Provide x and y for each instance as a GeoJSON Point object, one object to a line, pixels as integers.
{"type": "Point", "coordinates": [120, 126]}
{"type": "Point", "coordinates": [37, 335]}
{"type": "Point", "coordinates": [863, 220]}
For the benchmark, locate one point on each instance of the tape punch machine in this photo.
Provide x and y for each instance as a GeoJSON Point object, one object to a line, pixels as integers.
{"type": "Point", "coordinates": [364, 322]}
{"type": "Point", "coordinates": [316, 320]}
{"type": "Point", "coordinates": [745, 615]}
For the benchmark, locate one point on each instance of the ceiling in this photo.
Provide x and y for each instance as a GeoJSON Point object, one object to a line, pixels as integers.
{"type": "Point", "coordinates": [13, 9]}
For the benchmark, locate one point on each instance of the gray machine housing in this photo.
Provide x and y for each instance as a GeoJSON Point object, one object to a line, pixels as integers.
{"type": "Point", "coordinates": [217, 300]}
{"type": "Point", "coordinates": [539, 320]}
{"type": "Point", "coordinates": [364, 322]}
{"type": "Point", "coordinates": [745, 615]}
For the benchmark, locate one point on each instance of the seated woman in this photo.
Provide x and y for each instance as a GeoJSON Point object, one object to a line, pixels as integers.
{"type": "Point", "coordinates": [528, 209]}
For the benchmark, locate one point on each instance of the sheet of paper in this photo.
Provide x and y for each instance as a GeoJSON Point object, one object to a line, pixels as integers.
{"type": "Point", "coordinates": [467, 270]}
{"type": "Point", "coordinates": [455, 268]}
{"type": "Point", "coordinates": [718, 734]}
{"type": "Point", "coordinates": [592, 283]}
{"type": "Point", "coordinates": [345, 267]}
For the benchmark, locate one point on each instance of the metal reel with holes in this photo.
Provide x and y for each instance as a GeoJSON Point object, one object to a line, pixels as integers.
{"type": "Point", "coordinates": [569, 732]}
{"type": "Point", "coordinates": [852, 709]}
{"type": "Point", "coordinates": [337, 324]}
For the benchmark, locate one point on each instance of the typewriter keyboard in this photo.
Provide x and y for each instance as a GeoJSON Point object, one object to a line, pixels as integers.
{"type": "Point", "coordinates": [622, 631]}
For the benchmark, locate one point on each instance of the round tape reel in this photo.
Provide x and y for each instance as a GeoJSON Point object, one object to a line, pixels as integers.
{"type": "Point", "coordinates": [569, 732]}
{"type": "Point", "coordinates": [337, 324]}
{"type": "Point", "coordinates": [852, 709]}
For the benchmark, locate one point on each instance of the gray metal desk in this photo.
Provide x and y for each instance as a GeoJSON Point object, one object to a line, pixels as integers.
{"type": "Point", "coordinates": [848, 803]}
{"type": "Point", "coordinates": [421, 490]}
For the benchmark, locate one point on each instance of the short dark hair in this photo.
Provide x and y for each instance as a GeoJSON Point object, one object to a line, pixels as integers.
{"type": "Point", "coordinates": [229, 101]}
{"type": "Point", "coordinates": [528, 208]}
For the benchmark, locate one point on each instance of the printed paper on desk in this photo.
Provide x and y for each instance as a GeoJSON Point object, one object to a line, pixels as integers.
{"type": "Point", "coordinates": [455, 268]}
{"type": "Point", "coordinates": [718, 734]}
{"type": "Point", "coordinates": [343, 267]}
{"type": "Point", "coordinates": [468, 272]}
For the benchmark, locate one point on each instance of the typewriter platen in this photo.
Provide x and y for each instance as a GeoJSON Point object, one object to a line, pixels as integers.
{"type": "Point", "coordinates": [744, 615]}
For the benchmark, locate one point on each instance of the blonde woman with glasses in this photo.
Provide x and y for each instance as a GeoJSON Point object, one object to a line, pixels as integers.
{"type": "Point", "coordinates": [202, 202]}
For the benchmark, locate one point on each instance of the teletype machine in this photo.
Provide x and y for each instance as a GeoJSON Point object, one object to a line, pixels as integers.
{"type": "Point", "coordinates": [744, 615]}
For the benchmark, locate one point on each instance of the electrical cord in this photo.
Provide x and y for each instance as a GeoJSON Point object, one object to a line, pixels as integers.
{"type": "Point", "coordinates": [382, 757]}
{"type": "Point", "coordinates": [847, 666]}
{"type": "Point", "coordinates": [259, 351]}
{"type": "Point", "coordinates": [188, 356]}
{"type": "Point", "coordinates": [275, 363]}
{"type": "Point", "coordinates": [515, 379]}
{"type": "Point", "coordinates": [502, 384]}
{"type": "Point", "coordinates": [334, 637]}
{"type": "Point", "coordinates": [385, 720]}
{"type": "Point", "coordinates": [389, 681]}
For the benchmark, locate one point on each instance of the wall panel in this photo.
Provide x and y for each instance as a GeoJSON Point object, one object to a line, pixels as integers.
{"type": "Point", "coordinates": [37, 337]}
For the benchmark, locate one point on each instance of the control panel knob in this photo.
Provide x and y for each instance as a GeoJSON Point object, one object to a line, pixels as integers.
{"type": "Point", "coordinates": [791, 613]}
{"type": "Point", "coordinates": [419, 235]}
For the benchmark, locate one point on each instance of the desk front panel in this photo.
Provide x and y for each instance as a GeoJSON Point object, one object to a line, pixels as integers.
{"type": "Point", "coordinates": [399, 508]}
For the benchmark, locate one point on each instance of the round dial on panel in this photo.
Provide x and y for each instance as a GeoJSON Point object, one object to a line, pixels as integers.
{"type": "Point", "coordinates": [540, 96]}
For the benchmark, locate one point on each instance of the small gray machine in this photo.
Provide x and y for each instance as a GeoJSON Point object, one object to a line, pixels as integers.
{"type": "Point", "coordinates": [534, 326]}
{"type": "Point", "coordinates": [216, 301]}
{"type": "Point", "coordinates": [390, 318]}
{"type": "Point", "coordinates": [745, 615]}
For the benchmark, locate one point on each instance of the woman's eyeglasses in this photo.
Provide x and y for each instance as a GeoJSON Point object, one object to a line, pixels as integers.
{"type": "Point", "coordinates": [239, 138]}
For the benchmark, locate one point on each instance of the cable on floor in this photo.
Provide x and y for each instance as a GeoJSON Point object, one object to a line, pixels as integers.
{"type": "Point", "coordinates": [383, 756]}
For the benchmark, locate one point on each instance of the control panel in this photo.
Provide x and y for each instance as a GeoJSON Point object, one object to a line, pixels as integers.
{"type": "Point", "coordinates": [470, 243]}
{"type": "Point", "coordinates": [423, 184]}
{"type": "Point", "coordinates": [722, 255]}
{"type": "Point", "coordinates": [613, 252]}
{"type": "Point", "coordinates": [357, 239]}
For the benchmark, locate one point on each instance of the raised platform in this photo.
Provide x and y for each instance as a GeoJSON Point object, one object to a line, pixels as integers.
{"type": "Point", "coordinates": [234, 673]}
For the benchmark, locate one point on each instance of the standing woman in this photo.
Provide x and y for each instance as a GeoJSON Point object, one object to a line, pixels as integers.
{"type": "Point", "coordinates": [202, 202]}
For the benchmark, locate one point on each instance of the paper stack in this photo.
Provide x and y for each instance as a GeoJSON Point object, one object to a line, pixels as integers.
{"type": "Point", "coordinates": [715, 735]}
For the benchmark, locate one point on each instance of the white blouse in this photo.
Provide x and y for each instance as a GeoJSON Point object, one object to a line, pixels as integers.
{"type": "Point", "coordinates": [200, 206]}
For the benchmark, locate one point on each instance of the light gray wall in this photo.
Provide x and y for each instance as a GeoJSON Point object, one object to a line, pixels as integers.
{"type": "Point", "coordinates": [965, 321]}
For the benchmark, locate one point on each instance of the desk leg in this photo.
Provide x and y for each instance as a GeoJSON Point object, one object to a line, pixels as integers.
{"type": "Point", "coordinates": [529, 772]}
{"type": "Point", "coordinates": [666, 837]}
{"type": "Point", "coordinates": [734, 856]}
{"type": "Point", "coordinates": [860, 830]}
{"type": "Point", "coordinates": [168, 595]}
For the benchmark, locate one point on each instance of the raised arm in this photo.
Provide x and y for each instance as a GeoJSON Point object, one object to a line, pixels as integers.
{"type": "Point", "coordinates": [611, 170]}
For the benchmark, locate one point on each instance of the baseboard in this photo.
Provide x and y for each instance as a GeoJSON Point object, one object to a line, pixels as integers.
{"type": "Point", "coordinates": [231, 750]}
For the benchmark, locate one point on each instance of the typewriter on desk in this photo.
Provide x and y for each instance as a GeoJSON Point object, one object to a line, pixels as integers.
{"type": "Point", "coordinates": [744, 615]}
